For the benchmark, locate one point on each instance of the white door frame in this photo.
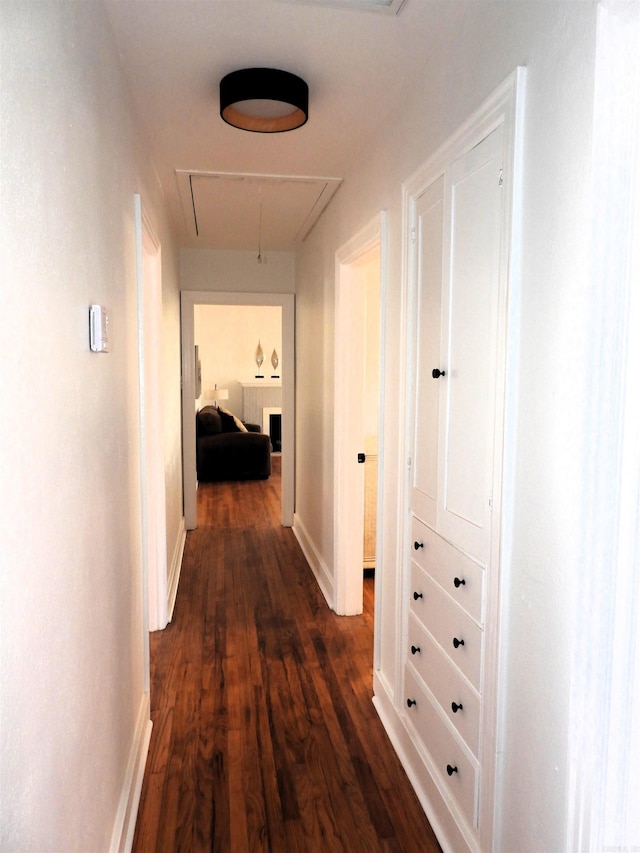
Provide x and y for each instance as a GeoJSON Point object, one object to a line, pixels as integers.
{"type": "Point", "coordinates": [152, 474]}
{"type": "Point", "coordinates": [348, 525]}
{"type": "Point", "coordinates": [286, 301]}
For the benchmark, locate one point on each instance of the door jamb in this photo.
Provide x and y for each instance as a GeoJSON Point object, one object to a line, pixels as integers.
{"type": "Point", "coordinates": [347, 593]}
{"type": "Point", "coordinates": [152, 474]}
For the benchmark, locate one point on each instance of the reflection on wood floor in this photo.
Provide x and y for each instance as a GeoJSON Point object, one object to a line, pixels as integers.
{"type": "Point", "coordinates": [264, 735]}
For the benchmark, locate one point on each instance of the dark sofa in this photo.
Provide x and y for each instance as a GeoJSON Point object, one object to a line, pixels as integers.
{"type": "Point", "coordinates": [228, 450]}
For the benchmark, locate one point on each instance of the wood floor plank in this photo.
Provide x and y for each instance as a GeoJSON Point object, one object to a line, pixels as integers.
{"type": "Point", "coordinates": [265, 737]}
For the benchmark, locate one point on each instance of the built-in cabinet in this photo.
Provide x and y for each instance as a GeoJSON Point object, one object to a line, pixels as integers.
{"type": "Point", "coordinates": [459, 254]}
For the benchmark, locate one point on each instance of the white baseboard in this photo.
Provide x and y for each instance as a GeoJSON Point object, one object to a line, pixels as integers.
{"type": "Point", "coordinates": [317, 564]}
{"type": "Point", "coordinates": [176, 566]}
{"type": "Point", "coordinates": [125, 822]}
{"type": "Point", "coordinates": [449, 834]}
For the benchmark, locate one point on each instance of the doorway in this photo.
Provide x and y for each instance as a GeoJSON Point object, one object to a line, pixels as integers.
{"type": "Point", "coordinates": [286, 302]}
{"type": "Point", "coordinates": [358, 397]}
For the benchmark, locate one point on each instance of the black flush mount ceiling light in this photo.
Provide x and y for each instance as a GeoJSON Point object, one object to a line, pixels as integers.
{"type": "Point", "coordinates": [264, 100]}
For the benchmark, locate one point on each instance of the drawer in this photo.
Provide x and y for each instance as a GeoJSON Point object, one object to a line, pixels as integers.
{"type": "Point", "coordinates": [448, 566]}
{"type": "Point", "coordinates": [440, 742]}
{"type": "Point", "coordinates": [447, 684]}
{"type": "Point", "coordinates": [450, 626]}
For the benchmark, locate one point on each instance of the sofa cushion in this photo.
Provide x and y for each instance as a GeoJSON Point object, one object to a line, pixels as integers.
{"type": "Point", "coordinates": [209, 421]}
{"type": "Point", "coordinates": [241, 427]}
{"type": "Point", "coordinates": [228, 422]}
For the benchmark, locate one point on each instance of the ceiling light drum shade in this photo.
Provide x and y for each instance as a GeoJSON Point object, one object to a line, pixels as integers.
{"type": "Point", "coordinates": [264, 100]}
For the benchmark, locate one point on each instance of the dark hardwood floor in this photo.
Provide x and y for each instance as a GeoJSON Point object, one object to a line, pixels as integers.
{"type": "Point", "coordinates": [264, 734]}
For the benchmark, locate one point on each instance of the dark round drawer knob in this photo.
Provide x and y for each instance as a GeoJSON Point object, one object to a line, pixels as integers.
{"type": "Point", "coordinates": [411, 702]}
{"type": "Point", "coordinates": [457, 642]}
{"type": "Point", "coordinates": [415, 650]}
{"type": "Point", "coordinates": [451, 770]}
{"type": "Point", "coordinates": [417, 595]}
{"type": "Point", "coordinates": [437, 373]}
{"type": "Point", "coordinates": [459, 582]}
{"type": "Point", "coordinates": [417, 545]}
{"type": "Point", "coordinates": [455, 708]}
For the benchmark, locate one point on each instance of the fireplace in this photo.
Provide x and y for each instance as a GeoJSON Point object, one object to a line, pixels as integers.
{"type": "Point", "coordinates": [272, 425]}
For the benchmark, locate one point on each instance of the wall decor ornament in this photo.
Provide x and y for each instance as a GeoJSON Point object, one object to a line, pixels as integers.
{"type": "Point", "coordinates": [275, 361]}
{"type": "Point", "coordinates": [259, 360]}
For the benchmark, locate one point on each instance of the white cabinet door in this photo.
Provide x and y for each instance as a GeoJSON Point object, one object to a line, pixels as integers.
{"type": "Point", "coordinates": [428, 234]}
{"type": "Point", "coordinates": [470, 291]}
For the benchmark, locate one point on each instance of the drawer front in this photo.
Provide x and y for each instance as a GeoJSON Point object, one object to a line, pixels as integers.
{"type": "Point", "coordinates": [446, 683]}
{"type": "Point", "coordinates": [449, 566]}
{"type": "Point", "coordinates": [443, 747]}
{"type": "Point", "coordinates": [450, 626]}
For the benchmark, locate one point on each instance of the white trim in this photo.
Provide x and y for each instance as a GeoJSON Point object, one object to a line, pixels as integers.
{"type": "Point", "coordinates": [126, 816]}
{"type": "Point", "coordinates": [176, 566]}
{"type": "Point", "coordinates": [382, 467]}
{"type": "Point", "coordinates": [188, 300]}
{"type": "Point", "coordinates": [313, 558]}
{"type": "Point", "coordinates": [498, 108]}
{"type": "Point", "coordinates": [386, 7]}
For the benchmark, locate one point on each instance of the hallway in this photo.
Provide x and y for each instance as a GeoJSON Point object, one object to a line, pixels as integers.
{"type": "Point", "coordinates": [264, 736]}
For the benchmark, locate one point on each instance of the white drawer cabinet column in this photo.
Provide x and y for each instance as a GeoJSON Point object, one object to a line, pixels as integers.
{"type": "Point", "coordinates": [459, 250]}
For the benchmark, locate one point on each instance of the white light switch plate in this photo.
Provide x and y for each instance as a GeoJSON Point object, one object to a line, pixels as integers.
{"type": "Point", "coordinates": [99, 328]}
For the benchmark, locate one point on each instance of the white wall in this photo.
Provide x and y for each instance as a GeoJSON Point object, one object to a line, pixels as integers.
{"type": "Point", "coordinates": [236, 271]}
{"type": "Point", "coordinates": [227, 337]}
{"type": "Point", "coordinates": [478, 46]}
{"type": "Point", "coordinates": [72, 667]}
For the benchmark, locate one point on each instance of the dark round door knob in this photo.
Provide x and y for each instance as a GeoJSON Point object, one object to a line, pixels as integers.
{"type": "Point", "coordinates": [417, 545]}
{"type": "Point", "coordinates": [455, 708]}
{"type": "Point", "coordinates": [451, 770]}
{"type": "Point", "coordinates": [415, 650]}
{"type": "Point", "coordinates": [457, 642]}
{"type": "Point", "coordinates": [417, 595]}
{"type": "Point", "coordinates": [459, 582]}
{"type": "Point", "coordinates": [437, 373]}
{"type": "Point", "coordinates": [410, 702]}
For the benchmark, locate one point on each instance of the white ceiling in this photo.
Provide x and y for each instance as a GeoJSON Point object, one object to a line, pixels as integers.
{"type": "Point", "coordinates": [227, 188]}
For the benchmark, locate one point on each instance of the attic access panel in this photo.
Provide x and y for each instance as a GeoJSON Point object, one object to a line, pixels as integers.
{"type": "Point", "coordinates": [237, 211]}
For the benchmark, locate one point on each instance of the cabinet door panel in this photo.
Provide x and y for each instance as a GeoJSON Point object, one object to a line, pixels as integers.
{"type": "Point", "coordinates": [429, 213]}
{"type": "Point", "coordinates": [469, 317]}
